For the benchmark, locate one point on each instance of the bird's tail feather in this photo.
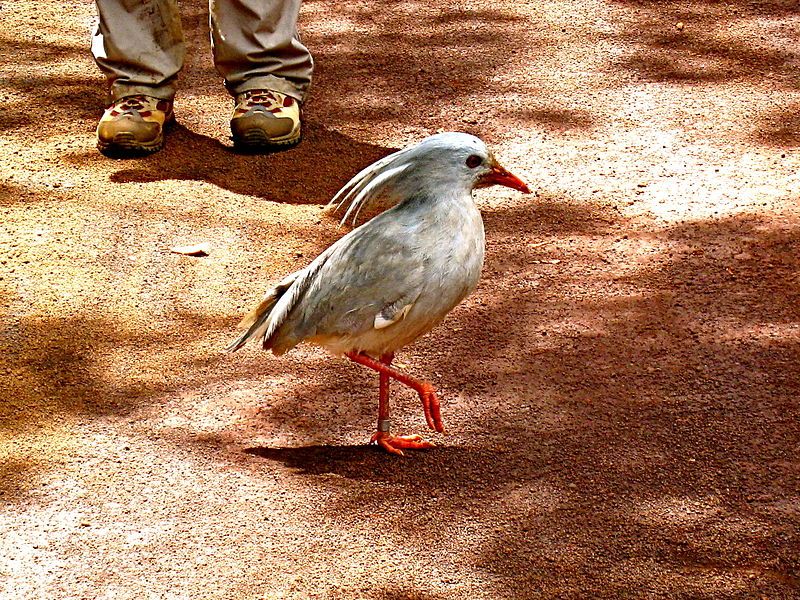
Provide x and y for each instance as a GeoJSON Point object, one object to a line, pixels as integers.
{"type": "Point", "coordinates": [257, 320]}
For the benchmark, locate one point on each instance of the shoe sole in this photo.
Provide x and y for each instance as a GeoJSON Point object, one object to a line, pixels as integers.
{"type": "Point", "coordinates": [125, 144]}
{"type": "Point", "coordinates": [257, 139]}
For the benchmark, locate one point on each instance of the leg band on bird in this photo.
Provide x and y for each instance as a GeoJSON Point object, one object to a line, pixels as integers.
{"type": "Point", "coordinates": [430, 402]}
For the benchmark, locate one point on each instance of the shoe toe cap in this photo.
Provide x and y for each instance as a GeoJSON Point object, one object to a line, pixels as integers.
{"type": "Point", "coordinates": [273, 127]}
{"type": "Point", "coordinates": [139, 130]}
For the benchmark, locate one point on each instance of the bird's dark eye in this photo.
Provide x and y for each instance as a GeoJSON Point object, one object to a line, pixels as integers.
{"type": "Point", "coordinates": [473, 160]}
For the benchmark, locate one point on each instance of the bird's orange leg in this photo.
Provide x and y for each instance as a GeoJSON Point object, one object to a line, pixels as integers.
{"type": "Point", "coordinates": [430, 404]}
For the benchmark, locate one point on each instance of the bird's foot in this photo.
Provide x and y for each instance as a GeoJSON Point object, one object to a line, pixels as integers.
{"type": "Point", "coordinates": [394, 443]}
{"type": "Point", "coordinates": [430, 406]}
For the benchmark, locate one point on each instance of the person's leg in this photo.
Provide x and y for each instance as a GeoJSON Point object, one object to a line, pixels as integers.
{"type": "Point", "coordinates": [256, 46]}
{"type": "Point", "coordinates": [265, 66]}
{"type": "Point", "coordinates": [139, 47]}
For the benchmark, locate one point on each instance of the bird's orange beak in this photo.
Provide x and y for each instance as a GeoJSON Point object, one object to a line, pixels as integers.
{"type": "Point", "coordinates": [499, 176]}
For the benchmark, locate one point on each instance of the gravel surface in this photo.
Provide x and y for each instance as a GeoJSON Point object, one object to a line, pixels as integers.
{"type": "Point", "coordinates": [620, 393]}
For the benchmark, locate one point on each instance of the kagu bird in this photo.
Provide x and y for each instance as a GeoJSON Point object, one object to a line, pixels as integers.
{"type": "Point", "coordinates": [395, 277]}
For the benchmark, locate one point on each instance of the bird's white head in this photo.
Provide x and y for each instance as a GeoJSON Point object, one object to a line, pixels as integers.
{"type": "Point", "coordinates": [438, 166]}
{"type": "Point", "coordinates": [458, 161]}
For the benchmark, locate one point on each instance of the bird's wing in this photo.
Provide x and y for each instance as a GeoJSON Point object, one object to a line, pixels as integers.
{"type": "Point", "coordinates": [293, 296]}
{"type": "Point", "coordinates": [264, 320]}
{"type": "Point", "coordinates": [370, 183]}
{"type": "Point", "coordinates": [375, 268]}
{"type": "Point", "coordinates": [391, 314]}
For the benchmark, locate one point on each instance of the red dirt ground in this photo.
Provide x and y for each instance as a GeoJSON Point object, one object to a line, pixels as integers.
{"type": "Point", "coordinates": [620, 392]}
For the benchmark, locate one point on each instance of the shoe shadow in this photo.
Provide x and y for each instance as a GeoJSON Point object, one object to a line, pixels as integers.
{"type": "Point", "coordinates": [310, 173]}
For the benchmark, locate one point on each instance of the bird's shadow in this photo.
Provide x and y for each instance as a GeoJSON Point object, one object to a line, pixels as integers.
{"type": "Point", "coordinates": [353, 461]}
{"type": "Point", "coordinates": [422, 469]}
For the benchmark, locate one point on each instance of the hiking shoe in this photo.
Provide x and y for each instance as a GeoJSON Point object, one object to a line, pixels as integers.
{"type": "Point", "coordinates": [134, 125]}
{"type": "Point", "coordinates": [265, 120]}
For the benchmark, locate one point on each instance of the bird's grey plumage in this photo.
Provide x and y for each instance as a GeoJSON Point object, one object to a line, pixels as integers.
{"type": "Point", "coordinates": [395, 277]}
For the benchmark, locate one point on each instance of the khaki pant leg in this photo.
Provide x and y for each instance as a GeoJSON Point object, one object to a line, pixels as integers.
{"type": "Point", "coordinates": [256, 46]}
{"type": "Point", "coordinates": [138, 45]}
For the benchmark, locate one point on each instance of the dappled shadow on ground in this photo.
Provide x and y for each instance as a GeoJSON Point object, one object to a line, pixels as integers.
{"type": "Point", "coordinates": [675, 413]}
{"type": "Point", "coordinates": [64, 365]}
{"type": "Point", "coordinates": [9, 194]}
{"type": "Point", "coordinates": [666, 404]}
{"type": "Point", "coordinates": [630, 414]}
{"type": "Point", "coordinates": [781, 127]}
{"type": "Point", "coordinates": [60, 99]}
{"type": "Point", "coordinates": [388, 61]}
{"type": "Point", "coordinates": [82, 95]}
{"type": "Point", "coordinates": [559, 119]}
{"type": "Point", "coordinates": [701, 51]}
{"type": "Point", "coordinates": [720, 43]}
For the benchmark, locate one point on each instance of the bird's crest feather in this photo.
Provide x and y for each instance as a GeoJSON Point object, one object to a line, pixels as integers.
{"type": "Point", "coordinates": [370, 183]}
{"type": "Point", "coordinates": [392, 178]}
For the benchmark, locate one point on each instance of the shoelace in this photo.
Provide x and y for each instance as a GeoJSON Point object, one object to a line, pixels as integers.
{"type": "Point", "coordinates": [269, 100]}
{"type": "Point", "coordinates": [135, 105]}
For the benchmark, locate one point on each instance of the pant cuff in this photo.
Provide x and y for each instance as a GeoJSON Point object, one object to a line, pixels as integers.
{"type": "Point", "coordinates": [123, 90]}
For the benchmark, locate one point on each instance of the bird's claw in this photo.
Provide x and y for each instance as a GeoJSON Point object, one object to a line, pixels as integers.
{"type": "Point", "coordinates": [394, 443]}
{"type": "Point", "coordinates": [430, 406]}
